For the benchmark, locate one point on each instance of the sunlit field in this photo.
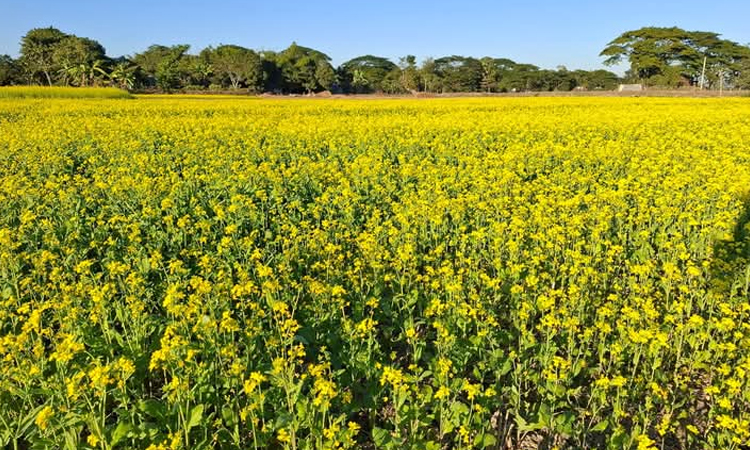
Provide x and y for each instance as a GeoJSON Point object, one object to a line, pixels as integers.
{"type": "Point", "coordinates": [28, 92]}
{"type": "Point", "coordinates": [182, 273]}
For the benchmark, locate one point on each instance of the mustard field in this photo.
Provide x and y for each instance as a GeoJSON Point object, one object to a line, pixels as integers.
{"type": "Point", "coordinates": [238, 273]}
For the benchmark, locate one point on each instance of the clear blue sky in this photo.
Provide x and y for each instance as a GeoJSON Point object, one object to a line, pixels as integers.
{"type": "Point", "coordinates": [547, 33]}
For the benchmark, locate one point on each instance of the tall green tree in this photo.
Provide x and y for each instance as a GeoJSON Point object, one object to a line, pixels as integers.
{"type": "Point", "coordinates": [10, 73]}
{"type": "Point", "coordinates": [364, 74]}
{"type": "Point", "coordinates": [160, 66]}
{"type": "Point", "coordinates": [359, 81]}
{"type": "Point", "coordinates": [392, 83]}
{"type": "Point", "coordinates": [38, 54]}
{"type": "Point", "coordinates": [459, 73]}
{"type": "Point", "coordinates": [273, 80]}
{"type": "Point", "coordinates": [649, 50]}
{"type": "Point", "coordinates": [428, 76]}
{"type": "Point", "coordinates": [668, 55]}
{"type": "Point", "coordinates": [123, 74]}
{"type": "Point", "coordinates": [80, 60]}
{"type": "Point", "coordinates": [409, 79]}
{"type": "Point", "coordinates": [519, 77]}
{"type": "Point", "coordinates": [325, 76]}
{"type": "Point", "coordinates": [194, 71]}
{"type": "Point", "coordinates": [238, 65]}
{"type": "Point", "coordinates": [489, 74]}
{"type": "Point", "coordinates": [85, 74]}
{"type": "Point", "coordinates": [305, 69]}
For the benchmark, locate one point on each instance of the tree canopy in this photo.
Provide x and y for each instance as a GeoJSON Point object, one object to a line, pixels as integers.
{"type": "Point", "coordinates": [160, 66]}
{"type": "Point", "coordinates": [673, 56]}
{"type": "Point", "coordinates": [239, 66]}
{"type": "Point", "coordinates": [667, 57]}
{"type": "Point", "coordinates": [38, 48]}
{"type": "Point", "coordinates": [365, 74]}
{"type": "Point", "coordinates": [304, 70]}
{"type": "Point", "coordinates": [10, 73]}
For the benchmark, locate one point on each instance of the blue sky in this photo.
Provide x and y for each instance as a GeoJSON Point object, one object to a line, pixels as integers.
{"type": "Point", "coordinates": [547, 33]}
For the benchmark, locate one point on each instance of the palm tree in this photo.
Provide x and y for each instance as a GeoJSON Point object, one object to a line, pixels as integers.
{"type": "Point", "coordinates": [123, 75]}
{"type": "Point", "coordinates": [95, 71]}
{"type": "Point", "coordinates": [204, 71]}
{"type": "Point", "coordinates": [64, 73]}
{"type": "Point", "coordinates": [78, 74]}
{"type": "Point", "coordinates": [359, 81]}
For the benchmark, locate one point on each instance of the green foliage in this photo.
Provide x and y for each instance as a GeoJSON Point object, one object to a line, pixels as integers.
{"type": "Point", "coordinates": [304, 70]}
{"type": "Point", "coordinates": [10, 72]}
{"type": "Point", "coordinates": [49, 56]}
{"type": "Point", "coordinates": [392, 82]}
{"type": "Point", "coordinates": [409, 77]}
{"type": "Point", "coordinates": [123, 74]}
{"type": "Point", "coordinates": [160, 66]}
{"type": "Point", "coordinates": [79, 60]}
{"type": "Point", "coordinates": [428, 76]}
{"type": "Point", "coordinates": [668, 57]}
{"type": "Point", "coordinates": [325, 76]}
{"type": "Point", "coordinates": [194, 70]}
{"type": "Point", "coordinates": [596, 79]}
{"type": "Point", "coordinates": [239, 66]}
{"type": "Point", "coordinates": [459, 73]}
{"type": "Point", "coordinates": [743, 77]}
{"type": "Point", "coordinates": [365, 74]}
{"type": "Point", "coordinates": [673, 56]}
{"type": "Point", "coordinates": [515, 77]}
{"type": "Point", "coordinates": [273, 79]}
{"type": "Point", "coordinates": [38, 54]}
{"type": "Point", "coordinates": [489, 74]}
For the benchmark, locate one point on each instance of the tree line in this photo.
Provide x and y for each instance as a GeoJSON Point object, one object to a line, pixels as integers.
{"type": "Point", "coordinates": [49, 56]}
{"type": "Point", "coordinates": [658, 56]}
{"type": "Point", "coordinates": [673, 57]}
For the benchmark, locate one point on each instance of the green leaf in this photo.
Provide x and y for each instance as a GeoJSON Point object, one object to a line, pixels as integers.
{"type": "Point", "coordinates": [118, 337]}
{"type": "Point", "coordinates": [144, 265]}
{"type": "Point", "coordinates": [230, 418]}
{"type": "Point", "coordinates": [28, 420]}
{"type": "Point", "coordinates": [507, 366]}
{"type": "Point", "coordinates": [523, 426]}
{"type": "Point", "coordinates": [5, 438]}
{"type": "Point", "coordinates": [196, 415]}
{"type": "Point", "coordinates": [424, 375]}
{"type": "Point", "coordinates": [545, 415]}
{"type": "Point", "coordinates": [564, 423]}
{"type": "Point", "coordinates": [459, 408]}
{"type": "Point", "coordinates": [122, 430]}
{"type": "Point", "coordinates": [601, 426]}
{"type": "Point", "coordinates": [282, 421]}
{"type": "Point", "coordinates": [381, 437]}
{"type": "Point", "coordinates": [152, 408]}
{"type": "Point", "coordinates": [618, 439]}
{"type": "Point", "coordinates": [487, 440]}
{"type": "Point", "coordinates": [42, 444]}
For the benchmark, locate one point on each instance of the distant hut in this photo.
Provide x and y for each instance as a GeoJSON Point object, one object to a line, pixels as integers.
{"type": "Point", "coordinates": [630, 88]}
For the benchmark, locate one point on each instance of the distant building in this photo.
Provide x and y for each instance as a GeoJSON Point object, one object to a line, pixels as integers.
{"type": "Point", "coordinates": [630, 88]}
